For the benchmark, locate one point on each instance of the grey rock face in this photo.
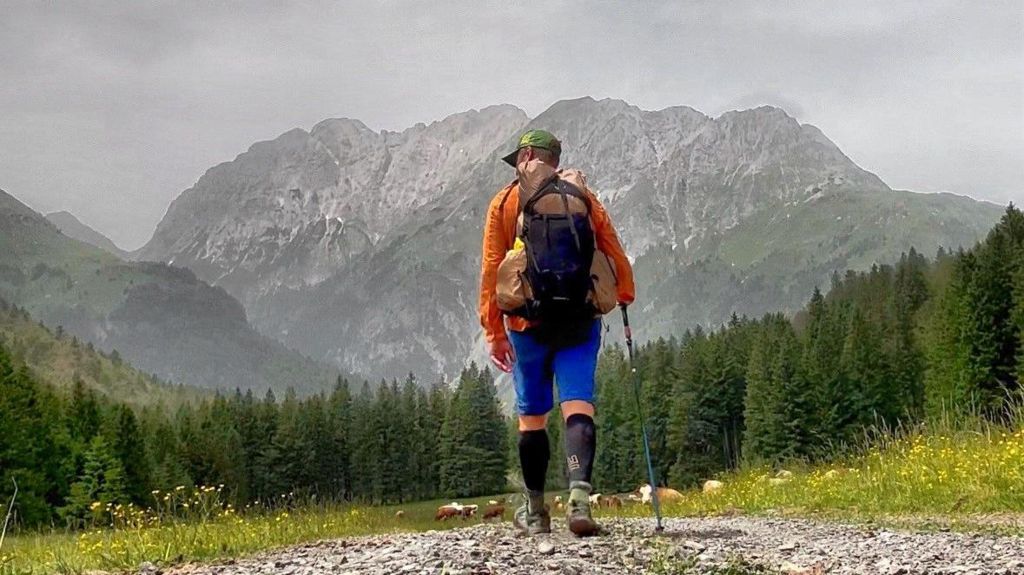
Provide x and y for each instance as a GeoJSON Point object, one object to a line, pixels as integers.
{"type": "Point", "coordinates": [291, 212]}
{"type": "Point", "coordinates": [362, 248]}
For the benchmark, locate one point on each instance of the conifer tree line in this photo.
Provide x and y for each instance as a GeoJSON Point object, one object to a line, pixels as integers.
{"type": "Point", "coordinates": [896, 345]}
{"type": "Point", "coordinates": [397, 442]}
{"type": "Point", "coordinates": [893, 346]}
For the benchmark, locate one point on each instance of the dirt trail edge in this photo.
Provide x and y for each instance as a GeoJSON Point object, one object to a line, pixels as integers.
{"type": "Point", "coordinates": [777, 545]}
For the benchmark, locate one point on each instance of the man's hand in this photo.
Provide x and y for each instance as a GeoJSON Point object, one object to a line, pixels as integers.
{"type": "Point", "coordinates": [502, 355]}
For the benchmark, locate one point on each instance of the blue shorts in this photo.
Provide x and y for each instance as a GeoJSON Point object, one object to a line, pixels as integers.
{"type": "Point", "coordinates": [539, 365]}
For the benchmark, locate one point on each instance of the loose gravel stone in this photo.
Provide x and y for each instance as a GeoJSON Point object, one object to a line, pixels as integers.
{"type": "Point", "coordinates": [629, 546]}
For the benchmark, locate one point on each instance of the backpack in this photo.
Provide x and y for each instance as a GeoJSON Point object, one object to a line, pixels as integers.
{"type": "Point", "coordinates": [559, 243]}
{"type": "Point", "coordinates": [554, 271]}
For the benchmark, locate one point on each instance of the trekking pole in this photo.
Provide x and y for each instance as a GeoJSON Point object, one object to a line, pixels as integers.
{"type": "Point", "coordinates": [643, 425]}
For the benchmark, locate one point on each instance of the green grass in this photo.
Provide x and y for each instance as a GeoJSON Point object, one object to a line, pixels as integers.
{"type": "Point", "coordinates": [959, 479]}
{"type": "Point", "coordinates": [958, 473]}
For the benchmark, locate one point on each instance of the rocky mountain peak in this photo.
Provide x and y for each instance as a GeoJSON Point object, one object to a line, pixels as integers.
{"type": "Point", "coordinates": [362, 247]}
{"type": "Point", "coordinates": [291, 211]}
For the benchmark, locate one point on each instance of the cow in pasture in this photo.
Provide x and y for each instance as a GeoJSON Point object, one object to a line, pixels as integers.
{"type": "Point", "coordinates": [494, 512]}
{"type": "Point", "coordinates": [611, 502]}
{"type": "Point", "coordinates": [446, 512]}
{"type": "Point", "coordinates": [665, 494]}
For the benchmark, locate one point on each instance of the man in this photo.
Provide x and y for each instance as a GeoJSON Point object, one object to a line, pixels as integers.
{"type": "Point", "coordinates": [539, 353]}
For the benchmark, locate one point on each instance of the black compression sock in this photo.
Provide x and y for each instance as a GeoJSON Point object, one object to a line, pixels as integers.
{"type": "Point", "coordinates": [534, 452]}
{"type": "Point", "coordinates": [580, 442]}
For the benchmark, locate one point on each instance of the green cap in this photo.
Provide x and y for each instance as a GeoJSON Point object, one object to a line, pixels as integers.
{"type": "Point", "coordinates": [535, 139]}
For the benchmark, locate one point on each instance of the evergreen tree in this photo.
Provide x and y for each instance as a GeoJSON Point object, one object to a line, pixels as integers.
{"type": "Point", "coordinates": [102, 482]}
{"type": "Point", "coordinates": [338, 463]}
{"type": "Point", "coordinates": [83, 413]}
{"type": "Point", "coordinates": [690, 426]}
{"type": "Point", "coordinates": [910, 293]}
{"type": "Point", "coordinates": [618, 463]}
{"type": "Point", "coordinates": [365, 472]}
{"type": "Point", "coordinates": [289, 457]}
{"type": "Point", "coordinates": [659, 374]}
{"type": "Point", "coordinates": [436, 412]}
{"type": "Point", "coordinates": [866, 373]}
{"type": "Point", "coordinates": [259, 440]}
{"type": "Point", "coordinates": [994, 335]}
{"type": "Point", "coordinates": [34, 450]}
{"type": "Point", "coordinates": [423, 445]}
{"type": "Point", "coordinates": [387, 436]}
{"type": "Point", "coordinates": [318, 444]}
{"type": "Point", "coordinates": [974, 338]}
{"type": "Point", "coordinates": [126, 443]}
{"type": "Point", "coordinates": [948, 386]}
{"type": "Point", "coordinates": [167, 468]}
{"type": "Point", "coordinates": [474, 454]}
{"type": "Point", "coordinates": [780, 410]}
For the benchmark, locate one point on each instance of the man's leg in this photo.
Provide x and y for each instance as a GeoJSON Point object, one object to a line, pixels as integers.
{"type": "Point", "coordinates": [574, 369]}
{"type": "Point", "coordinates": [534, 453]}
{"type": "Point", "coordinates": [533, 380]}
{"type": "Point", "coordinates": [580, 440]}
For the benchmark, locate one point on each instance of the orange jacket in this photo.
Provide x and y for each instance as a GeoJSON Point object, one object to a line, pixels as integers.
{"type": "Point", "coordinates": [499, 236]}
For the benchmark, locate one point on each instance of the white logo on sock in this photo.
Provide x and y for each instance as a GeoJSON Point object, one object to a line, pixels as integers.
{"type": "Point", "coordinates": [574, 462]}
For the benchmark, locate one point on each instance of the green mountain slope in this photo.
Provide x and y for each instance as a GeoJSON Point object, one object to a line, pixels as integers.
{"type": "Point", "coordinates": [771, 260]}
{"type": "Point", "coordinates": [73, 228]}
{"type": "Point", "coordinates": [160, 318]}
{"type": "Point", "coordinates": [60, 360]}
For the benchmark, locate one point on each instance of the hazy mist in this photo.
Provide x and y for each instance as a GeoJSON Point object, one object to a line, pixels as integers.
{"type": "Point", "coordinates": [110, 111]}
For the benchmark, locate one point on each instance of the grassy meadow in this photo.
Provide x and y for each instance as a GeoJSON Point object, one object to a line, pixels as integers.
{"type": "Point", "coordinates": [958, 479]}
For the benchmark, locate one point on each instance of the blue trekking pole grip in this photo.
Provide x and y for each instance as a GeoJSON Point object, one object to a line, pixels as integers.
{"type": "Point", "coordinates": [640, 412]}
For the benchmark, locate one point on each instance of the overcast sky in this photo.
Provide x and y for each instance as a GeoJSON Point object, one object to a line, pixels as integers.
{"type": "Point", "coordinates": [109, 110]}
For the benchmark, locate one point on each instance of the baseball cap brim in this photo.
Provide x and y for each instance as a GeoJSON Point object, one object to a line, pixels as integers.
{"type": "Point", "coordinates": [511, 158]}
{"type": "Point", "coordinates": [537, 139]}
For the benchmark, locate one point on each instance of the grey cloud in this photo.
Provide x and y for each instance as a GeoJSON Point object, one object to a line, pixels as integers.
{"type": "Point", "coordinates": [110, 109]}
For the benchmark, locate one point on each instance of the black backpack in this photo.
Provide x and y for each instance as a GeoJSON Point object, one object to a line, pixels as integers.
{"type": "Point", "coordinates": [560, 245]}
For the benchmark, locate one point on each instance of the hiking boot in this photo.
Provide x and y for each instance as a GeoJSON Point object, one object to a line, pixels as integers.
{"type": "Point", "coordinates": [533, 517]}
{"type": "Point", "coordinates": [577, 513]}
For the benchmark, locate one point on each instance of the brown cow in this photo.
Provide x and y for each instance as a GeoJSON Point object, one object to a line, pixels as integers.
{"type": "Point", "coordinates": [665, 494]}
{"type": "Point", "coordinates": [469, 511]}
{"type": "Point", "coordinates": [446, 512]}
{"type": "Point", "coordinates": [494, 512]}
{"type": "Point", "coordinates": [611, 501]}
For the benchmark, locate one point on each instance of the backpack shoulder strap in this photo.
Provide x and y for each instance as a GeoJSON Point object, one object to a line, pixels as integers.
{"type": "Point", "coordinates": [551, 185]}
{"type": "Point", "coordinates": [567, 188]}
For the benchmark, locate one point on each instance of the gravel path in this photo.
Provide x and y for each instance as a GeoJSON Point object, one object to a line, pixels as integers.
{"type": "Point", "coordinates": [782, 545]}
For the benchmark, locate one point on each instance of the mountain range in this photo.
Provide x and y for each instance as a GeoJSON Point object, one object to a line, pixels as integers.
{"type": "Point", "coordinates": [360, 248]}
